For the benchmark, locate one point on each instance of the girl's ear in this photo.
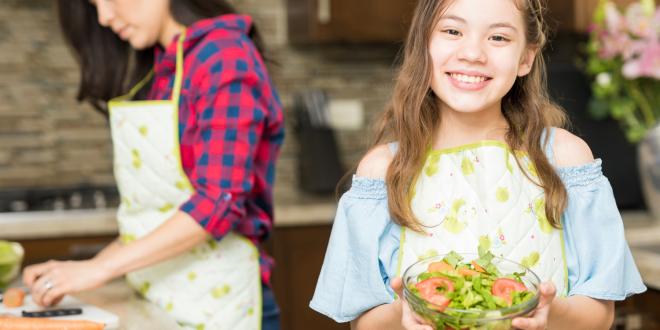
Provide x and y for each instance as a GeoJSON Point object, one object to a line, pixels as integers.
{"type": "Point", "coordinates": [526, 61]}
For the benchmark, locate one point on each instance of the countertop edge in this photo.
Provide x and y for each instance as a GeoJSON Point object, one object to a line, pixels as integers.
{"type": "Point", "coordinates": [100, 222]}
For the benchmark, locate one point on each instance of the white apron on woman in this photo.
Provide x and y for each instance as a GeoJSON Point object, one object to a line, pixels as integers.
{"type": "Point", "coordinates": [476, 194]}
{"type": "Point", "coordinates": [217, 284]}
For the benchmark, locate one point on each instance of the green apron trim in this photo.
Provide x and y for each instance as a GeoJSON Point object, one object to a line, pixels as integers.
{"type": "Point", "coordinates": [474, 145]}
{"type": "Point", "coordinates": [175, 99]}
{"type": "Point", "coordinates": [563, 254]}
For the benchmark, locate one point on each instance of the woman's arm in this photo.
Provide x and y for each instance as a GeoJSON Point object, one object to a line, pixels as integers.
{"type": "Point", "coordinates": [50, 281]}
{"type": "Point", "coordinates": [581, 312]}
{"type": "Point", "coordinates": [110, 248]}
{"type": "Point", "coordinates": [178, 234]}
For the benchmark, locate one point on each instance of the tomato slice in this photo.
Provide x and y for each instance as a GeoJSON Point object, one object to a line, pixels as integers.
{"type": "Point", "coordinates": [439, 266]}
{"type": "Point", "coordinates": [428, 289]}
{"type": "Point", "coordinates": [502, 287]}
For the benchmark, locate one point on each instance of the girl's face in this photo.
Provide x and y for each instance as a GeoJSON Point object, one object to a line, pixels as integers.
{"type": "Point", "coordinates": [478, 49]}
{"type": "Point", "coordinates": [140, 22]}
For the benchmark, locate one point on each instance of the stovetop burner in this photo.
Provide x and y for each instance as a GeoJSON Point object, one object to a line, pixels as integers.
{"type": "Point", "coordinates": [68, 198]}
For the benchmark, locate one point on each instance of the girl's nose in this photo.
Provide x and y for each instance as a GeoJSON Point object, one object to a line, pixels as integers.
{"type": "Point", "coordinates": [105, 12]}
{"type": "Point", "coordinates": [472, 51]}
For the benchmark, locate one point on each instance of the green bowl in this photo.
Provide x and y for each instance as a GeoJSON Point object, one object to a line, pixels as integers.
{"type": "Point", "coordinates": [11, 257]}
{"type": "Point", "coordinates": [473, 319]}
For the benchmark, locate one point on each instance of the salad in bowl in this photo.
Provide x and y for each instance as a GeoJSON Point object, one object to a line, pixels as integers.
{"type": "Point", "coordinates": [470, 291]}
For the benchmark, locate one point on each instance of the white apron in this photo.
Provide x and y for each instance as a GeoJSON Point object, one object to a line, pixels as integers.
{"type": "Point", "coordinates": [217, 284]}
{"type": "Point", "coordinates": [476, 194]}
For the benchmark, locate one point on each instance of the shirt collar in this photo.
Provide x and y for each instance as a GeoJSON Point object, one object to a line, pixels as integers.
{"type": "Point", "coordinates": [165, 58]}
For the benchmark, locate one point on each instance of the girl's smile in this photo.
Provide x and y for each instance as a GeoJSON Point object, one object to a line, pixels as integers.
{"type": "Point", "coordinates": [468, 80]}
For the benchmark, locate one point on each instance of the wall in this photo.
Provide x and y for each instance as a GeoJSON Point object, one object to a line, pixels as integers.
{"type": "Point", "coordinates": [48, 139]}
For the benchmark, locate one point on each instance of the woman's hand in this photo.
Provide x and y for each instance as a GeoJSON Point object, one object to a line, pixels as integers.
{"type": "Point", "coordinates": [539, 319]}
{"type": "Point", "coordinates": [409, 320]}
{"type": "Point", "coordinates": [49, 282]}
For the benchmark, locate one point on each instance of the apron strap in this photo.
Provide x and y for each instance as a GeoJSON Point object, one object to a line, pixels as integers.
{"type": "Point", "coordinates": [176, 92]}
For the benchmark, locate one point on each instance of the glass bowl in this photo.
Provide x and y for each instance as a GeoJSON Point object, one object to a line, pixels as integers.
{"type": "Point", "coordinates": [473, 319]}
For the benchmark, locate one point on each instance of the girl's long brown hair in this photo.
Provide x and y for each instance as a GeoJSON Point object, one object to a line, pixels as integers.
{"type": "Point", "coordinates": [413, 114]}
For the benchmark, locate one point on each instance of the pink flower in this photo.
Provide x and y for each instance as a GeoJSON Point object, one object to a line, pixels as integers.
{"type": "Point", "coordinates": [614, 22]}
{"type": "Point", "coordinates": [639, 22]}
{"type": "Point", "coordinates": [647, 64]}
{"type": "Point", "coordinates": [612, 45]}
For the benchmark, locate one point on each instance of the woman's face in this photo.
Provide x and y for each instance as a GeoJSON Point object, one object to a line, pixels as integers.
{"type": "Point", "coordinates": [139, 22]}
{"type": "Point", "coordinates": [478, 49]}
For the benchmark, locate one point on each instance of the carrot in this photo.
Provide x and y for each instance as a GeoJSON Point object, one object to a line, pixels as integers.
{"type": "Point", "coordinates": [34, 323]}
{"type": "Point", "coordinates": [467, 271]}
{"type": "Point", "coordinates": [439, 266]}
{"type": "Point", "coordinates": [13, 297]}
{"type": "Point", "coordinates": [477, 267]}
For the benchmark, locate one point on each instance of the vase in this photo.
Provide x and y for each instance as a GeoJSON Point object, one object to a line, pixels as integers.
{"type": "Point", "coordinates": [648, 153]}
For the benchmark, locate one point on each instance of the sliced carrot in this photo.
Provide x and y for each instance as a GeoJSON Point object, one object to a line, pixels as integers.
{"type": "Point", "coordinates": [13, 297]}
{"type": "Point", "coordinates": [35, 323]}
{"type": "Point", "coordinates": [467, 271]}
{"type": "Point", "coordinates": [477, 267]}
{"type": "Point", "coordinates": [439, 266]}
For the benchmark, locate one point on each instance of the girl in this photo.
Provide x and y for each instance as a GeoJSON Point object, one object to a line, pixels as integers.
{"type": "Point", "coordinates": [477, 157]}
{"type": "Point", "coordinates": [195, 145]}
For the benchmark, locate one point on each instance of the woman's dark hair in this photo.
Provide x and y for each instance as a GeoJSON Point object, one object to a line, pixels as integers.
{"type": "Point", "coordinates": [109, 66]}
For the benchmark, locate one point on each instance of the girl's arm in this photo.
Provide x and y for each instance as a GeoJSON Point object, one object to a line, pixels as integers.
{"type": "Point", "coordinates": [386, 317]}
{"type": "Point", "coordinates": [178, 234]}
{"type": "Point", "coordinates": [581, 312]}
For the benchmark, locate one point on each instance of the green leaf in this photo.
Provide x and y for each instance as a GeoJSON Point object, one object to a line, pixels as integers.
{"type": "Point", "coordinates": [453, 258]}
{"type": "Point", "coordinates": [598, 109]}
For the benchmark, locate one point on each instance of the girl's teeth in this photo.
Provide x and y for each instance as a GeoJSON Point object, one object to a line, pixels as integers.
{"type": "Point", "coordinates": [467, 79]}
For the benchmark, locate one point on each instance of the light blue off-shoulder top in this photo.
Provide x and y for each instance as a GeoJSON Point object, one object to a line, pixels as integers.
{"type": "Point", "coordinates": [364, 245]}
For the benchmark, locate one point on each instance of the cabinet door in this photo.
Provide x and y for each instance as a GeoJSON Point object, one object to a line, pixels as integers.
{"type": "Point", "coordinates": [299, 253]}
{"type": "Point", "coordinates": [368, 21]}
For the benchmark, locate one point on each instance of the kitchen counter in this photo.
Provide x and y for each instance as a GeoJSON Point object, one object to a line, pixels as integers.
{"type": "Point", "coordinates": [72, 223]}
{"type": "Point", "coordinates": [134, 312]}
{"type": "Point", "coordinates": [642, 232]}
{"type": "Point", "coordinates": [643, 235]}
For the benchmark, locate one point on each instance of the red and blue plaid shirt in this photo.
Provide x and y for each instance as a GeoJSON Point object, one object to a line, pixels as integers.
{"type": "Point", "coordinates": [230, 128]}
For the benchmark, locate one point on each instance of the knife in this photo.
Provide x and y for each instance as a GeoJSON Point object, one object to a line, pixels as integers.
{"type": "Point", "coordinates": [53, 312]}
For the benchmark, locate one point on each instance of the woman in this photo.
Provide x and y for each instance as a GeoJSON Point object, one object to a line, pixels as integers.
{"type": "Point", "coordinates": [195, 144]}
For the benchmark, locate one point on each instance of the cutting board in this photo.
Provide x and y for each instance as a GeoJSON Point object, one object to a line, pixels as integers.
{"type": "Point", "coordinates": [89, 312]}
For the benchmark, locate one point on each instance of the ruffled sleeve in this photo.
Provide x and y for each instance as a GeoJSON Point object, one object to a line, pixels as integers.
{"type": "Point", "coordinates": [599, 261]}
{"type": "Point", "coordinates": [353, 278]}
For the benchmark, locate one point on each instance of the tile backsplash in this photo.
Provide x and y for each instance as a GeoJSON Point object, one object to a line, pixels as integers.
{"type": "Point", "coordinates": [48, 139]}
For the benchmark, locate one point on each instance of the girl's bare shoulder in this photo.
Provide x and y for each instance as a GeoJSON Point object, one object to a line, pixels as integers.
{"type": "Point", "coordinates": [375, 163]}
{"type": "Point", "coordinates": [570, 150]}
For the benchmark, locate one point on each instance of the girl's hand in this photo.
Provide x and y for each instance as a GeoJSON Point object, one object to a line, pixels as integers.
{"type": "Point", "coordinates": [409, 320]}
{"type": "Point", "coordinates": [539, 318]}
{"type": "Point", "coordinates": [49, 282]}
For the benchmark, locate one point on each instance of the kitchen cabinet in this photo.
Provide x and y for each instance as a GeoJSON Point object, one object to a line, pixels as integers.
{"type": "Point", "coordinates": [575, 15]}
{"type": "Point", "coordinates": [364, 21]}
{"type": "Point", "coordinates": [387, 21]}
{"type": "Point", "coordinates": [299, 252]}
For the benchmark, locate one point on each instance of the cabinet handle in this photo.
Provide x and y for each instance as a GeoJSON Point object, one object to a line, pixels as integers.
{"type": "Point", "coordinates": [324, 11]}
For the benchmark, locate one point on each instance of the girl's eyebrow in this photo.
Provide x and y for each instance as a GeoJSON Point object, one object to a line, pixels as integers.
{"type": "Point", "coordinates": [494, 25]}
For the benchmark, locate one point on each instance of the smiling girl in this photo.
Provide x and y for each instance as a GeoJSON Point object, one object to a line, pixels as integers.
{"type": "Point", "coordinates": [470, 149]}
{"type": "Point", "coordinates": [196, 128]}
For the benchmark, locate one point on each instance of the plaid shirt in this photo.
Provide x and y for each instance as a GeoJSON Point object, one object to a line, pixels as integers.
{"type": "Point", "coordinates": [230, 128]}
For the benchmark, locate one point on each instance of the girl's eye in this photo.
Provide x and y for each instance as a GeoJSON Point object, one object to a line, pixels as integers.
{"type": "Point", "coordinates": [451, 32]}
{"type": "Point", "coordinates": [499, 38]}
